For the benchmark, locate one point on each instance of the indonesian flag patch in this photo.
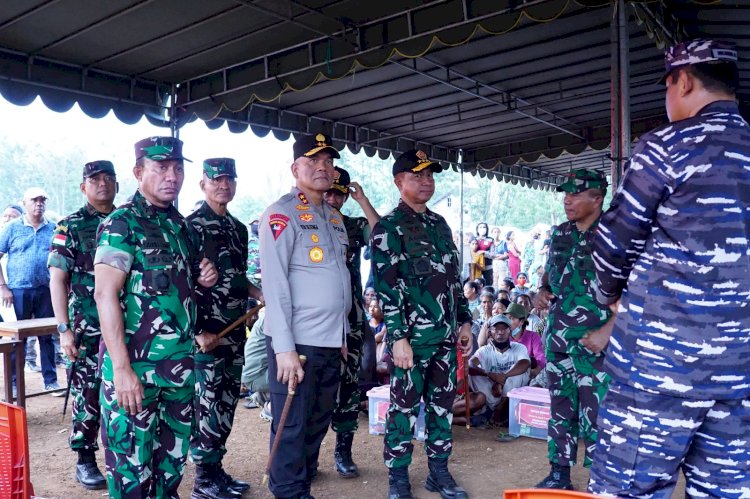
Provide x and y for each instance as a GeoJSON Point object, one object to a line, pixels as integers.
{"type": "Point", "coordinates": [278, 223]}
{"type": "Point", "coordinates": [59, 239]}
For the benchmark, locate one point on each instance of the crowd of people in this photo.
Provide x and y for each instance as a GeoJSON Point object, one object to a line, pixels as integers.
{"type": "Point", "coordinates": [633, 318]}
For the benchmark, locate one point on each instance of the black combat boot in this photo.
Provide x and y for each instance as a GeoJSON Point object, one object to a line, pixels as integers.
{"type": "Point", "coordinates": [398, 483]}
{"type": "Point", "coordinates": [231, 482]}
{"type": "Point", "coordinates": [87, 472]}
{"type": "Point", "coordinates": [558, 478]}
{"type": "Point", "coordinates": [209, 484]}
{"type": "Point", "coordinates": [440, 480]}
{"type": "Point", "coordinates": [342, 456]}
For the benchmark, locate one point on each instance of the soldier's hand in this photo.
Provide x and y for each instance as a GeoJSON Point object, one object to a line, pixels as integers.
{"type": "Point", "coordinates": [344, 352]}
{"type": "Point", "coordinates": [209, 275]}
{"type": "Point", "coordinates": [465, 339]}
{"type": "Point", "coordinates": [128, 390]}
{"type": "Point", "coordinates": [615, 307]}
{"type": "Point", "coordinates": [356, 192]}
{"type": "Point", "coordinates": [596, 340]}
{"type": "Point", "coordinates": [68, 346]}
{"type": "Point", "coordinates": [7, 296]}
{"type": "Point", "coordinates": [207, 341]}
{"type": "Point", "coordinates": [403, 356]}
{"type": "Point", "coordinates": [288, 366]}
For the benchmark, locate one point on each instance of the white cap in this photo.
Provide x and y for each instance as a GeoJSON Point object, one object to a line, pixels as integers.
{"type": "Point", "coordinates": [34, 192]}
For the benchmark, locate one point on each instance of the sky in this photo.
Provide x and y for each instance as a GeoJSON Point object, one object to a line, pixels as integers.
{"type": "Point", "coordinates": [262, 163]}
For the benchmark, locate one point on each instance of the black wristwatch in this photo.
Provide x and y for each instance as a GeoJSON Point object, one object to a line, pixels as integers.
{"type": "Point", "coordinates": [62, 327]}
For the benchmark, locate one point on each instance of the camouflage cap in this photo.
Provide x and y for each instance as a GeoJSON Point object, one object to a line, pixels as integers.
{"type": "Point", "coordinates": [696, 52]}
{"type": "Point", "coordinates": [499, 319]}
{"type": "Point", "coordinates": [341, 180]}
{"type": "Point", "coordinates": [414, 161]}
{"type": "Point", "coordinates": [312, 144]}
{"type": "Point", "coordinates": [159, 149]}
{"type": "Point", "coordinates": [219, 167]}
{"type": "Point", "coordinates": [517, 311]}
{"type": "Point", "coordinates": [94, 167]}
{"type": "Point", "coordinates": [582, 180]}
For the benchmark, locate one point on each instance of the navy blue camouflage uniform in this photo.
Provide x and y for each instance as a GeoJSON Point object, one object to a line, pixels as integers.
{"type": "Point", "coordinates": [674, 246]}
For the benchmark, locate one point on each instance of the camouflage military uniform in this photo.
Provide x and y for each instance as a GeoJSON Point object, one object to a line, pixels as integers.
{"type": "Point", "coordinates": [576, 380]}
{"type": "Point", "coordinates": [145, 454]}
{"type": "Point", "coordinates": [345, 416]}
{"type": "Point", "coordinates": [674, 246]}
{"type": "Point", "coordinates": [417, 276]}
{"type": "Point", "coordinates": [253, 258]}
{"type": "Point", "coordinates": [223, 240]}
{"type": "Point", "coordinates": [72, 250]}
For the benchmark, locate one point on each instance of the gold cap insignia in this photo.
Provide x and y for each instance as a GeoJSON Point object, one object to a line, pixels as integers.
{"type": "Point", "coordinates": [422, 156]}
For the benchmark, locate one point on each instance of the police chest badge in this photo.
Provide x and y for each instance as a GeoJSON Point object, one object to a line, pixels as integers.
{"type": "Point", "coordinates": [278, 223]}
{"type": "Point", "coordinates": [306, 217]}
{"type": "Point", "coordinates": [316, 254]}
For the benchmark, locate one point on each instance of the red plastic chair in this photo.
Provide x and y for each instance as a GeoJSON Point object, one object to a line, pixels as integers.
{"type": "Point", "coordinates": [15, 474]}
{"type": "Point", "coordinates": [543, 494]}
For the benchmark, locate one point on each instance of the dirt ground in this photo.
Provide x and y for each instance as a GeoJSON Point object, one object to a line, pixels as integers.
{"type": "Point", "coordinates": [480, 464]}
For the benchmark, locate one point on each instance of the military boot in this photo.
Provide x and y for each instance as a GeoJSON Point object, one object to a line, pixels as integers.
{"type": "Point", "coordinates": [87, 472]}
{"type": "Point", "coordinates": [231, 482]}
{"type": "Point", "coordinates": [558, 478]}
{"type": "Point", "coordinates": [342, 456]}
{"type": "Point", "coordinates": [209, 484]}
{"type": "Point", "coordinates": [440, 480]}
{"type": "Point", "coordinates": [398, 483]}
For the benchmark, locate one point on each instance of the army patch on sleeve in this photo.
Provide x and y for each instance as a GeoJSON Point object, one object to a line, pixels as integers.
{"type": "Point", "coordinates": [316, 254]}
{"type": "Point", "coordinates": [278, 223]}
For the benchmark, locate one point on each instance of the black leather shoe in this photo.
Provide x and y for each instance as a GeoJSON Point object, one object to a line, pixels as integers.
{"type": "Point", "coordinates": [398, 484]}
{"type": "Point", "coordinates": [342, 456]}
{"type": "Point", "coordinates": [440, 480]}
{"type": "Point", "coordinates": [88, 475]}
{"type": "Point", "coordinates": [558, 478]}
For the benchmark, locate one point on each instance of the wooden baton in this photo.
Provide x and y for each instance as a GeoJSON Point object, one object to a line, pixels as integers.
{"type": "Point", "coordinates": [290, 392]}
{"type": "Point", "coordinates": [239, 321]}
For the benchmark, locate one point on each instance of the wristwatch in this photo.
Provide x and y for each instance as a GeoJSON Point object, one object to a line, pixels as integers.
{"type": "Point", "coordinates": [62, 327]}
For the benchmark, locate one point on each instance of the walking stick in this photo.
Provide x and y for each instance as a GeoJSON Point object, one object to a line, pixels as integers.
{"type": "Point", "coordinates": [77, 342]}
{"type": "Point", "coordinates": [467, 392]}
{"type": "Point", "coordinates": [290, 392]}
{"type": "Point", "coordinates": [239, 321]}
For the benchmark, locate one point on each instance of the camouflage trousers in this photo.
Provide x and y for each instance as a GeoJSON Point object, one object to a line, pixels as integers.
{"type": "Point", "coordinates": [145, 454]}
{"type": "Point", "coordinates": [84, 390]}
{"type": "Point", "coordinates": [217, 390]}
{"type": "Point", "coordinates": [346, 415]}
{"type": "Point", "coordinates": [433, 378]}
{"type": "Point", "coordinates": [646, 438]}
{"type": "Point", "coordinates": [576, 386]}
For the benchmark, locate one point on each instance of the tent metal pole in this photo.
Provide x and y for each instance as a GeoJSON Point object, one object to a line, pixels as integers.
{"type": "Point", "coordinates": [460, 241]}
{"type": "Point", "coordinates": [620, 91]}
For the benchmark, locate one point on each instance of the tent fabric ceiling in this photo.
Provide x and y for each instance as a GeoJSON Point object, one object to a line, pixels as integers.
{"type": "Point", "coordinates": [517, 90]}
